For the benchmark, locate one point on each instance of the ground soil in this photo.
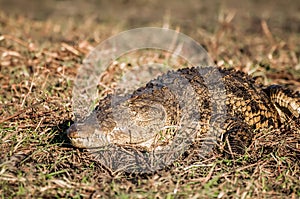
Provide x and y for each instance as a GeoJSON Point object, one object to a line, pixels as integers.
{"type": "Point", "coordinates": [42, 45]}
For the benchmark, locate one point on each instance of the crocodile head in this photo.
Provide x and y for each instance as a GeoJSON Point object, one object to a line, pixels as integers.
{"type": "Point", "coordinates": [132, 122]}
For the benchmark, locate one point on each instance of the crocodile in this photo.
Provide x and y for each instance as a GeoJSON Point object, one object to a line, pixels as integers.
{"type": "Point", "coordinates": [227, 104]}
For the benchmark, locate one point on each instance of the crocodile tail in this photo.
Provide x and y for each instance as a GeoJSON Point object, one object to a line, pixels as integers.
{"type": "Point", "coordinates": [286, 102]}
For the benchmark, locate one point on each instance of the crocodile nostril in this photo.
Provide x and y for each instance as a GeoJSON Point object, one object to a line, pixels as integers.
{"type": "Point", "coordinates": [72, 131]}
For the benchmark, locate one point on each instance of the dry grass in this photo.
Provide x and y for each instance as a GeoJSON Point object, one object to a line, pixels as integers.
{"type": "Point", "coordinates": [38, 65]}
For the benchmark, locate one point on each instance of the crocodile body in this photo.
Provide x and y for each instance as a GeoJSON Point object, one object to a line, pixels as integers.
{"type": "Point", "coordinates": [224, 103]}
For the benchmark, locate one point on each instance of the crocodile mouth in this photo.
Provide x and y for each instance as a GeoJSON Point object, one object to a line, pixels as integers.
{"type": "Point", "coordinates": [78, 142]}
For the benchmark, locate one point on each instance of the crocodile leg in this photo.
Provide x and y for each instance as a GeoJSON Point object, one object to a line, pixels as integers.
{"type": "Point", "coordinates": [235, 135]}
